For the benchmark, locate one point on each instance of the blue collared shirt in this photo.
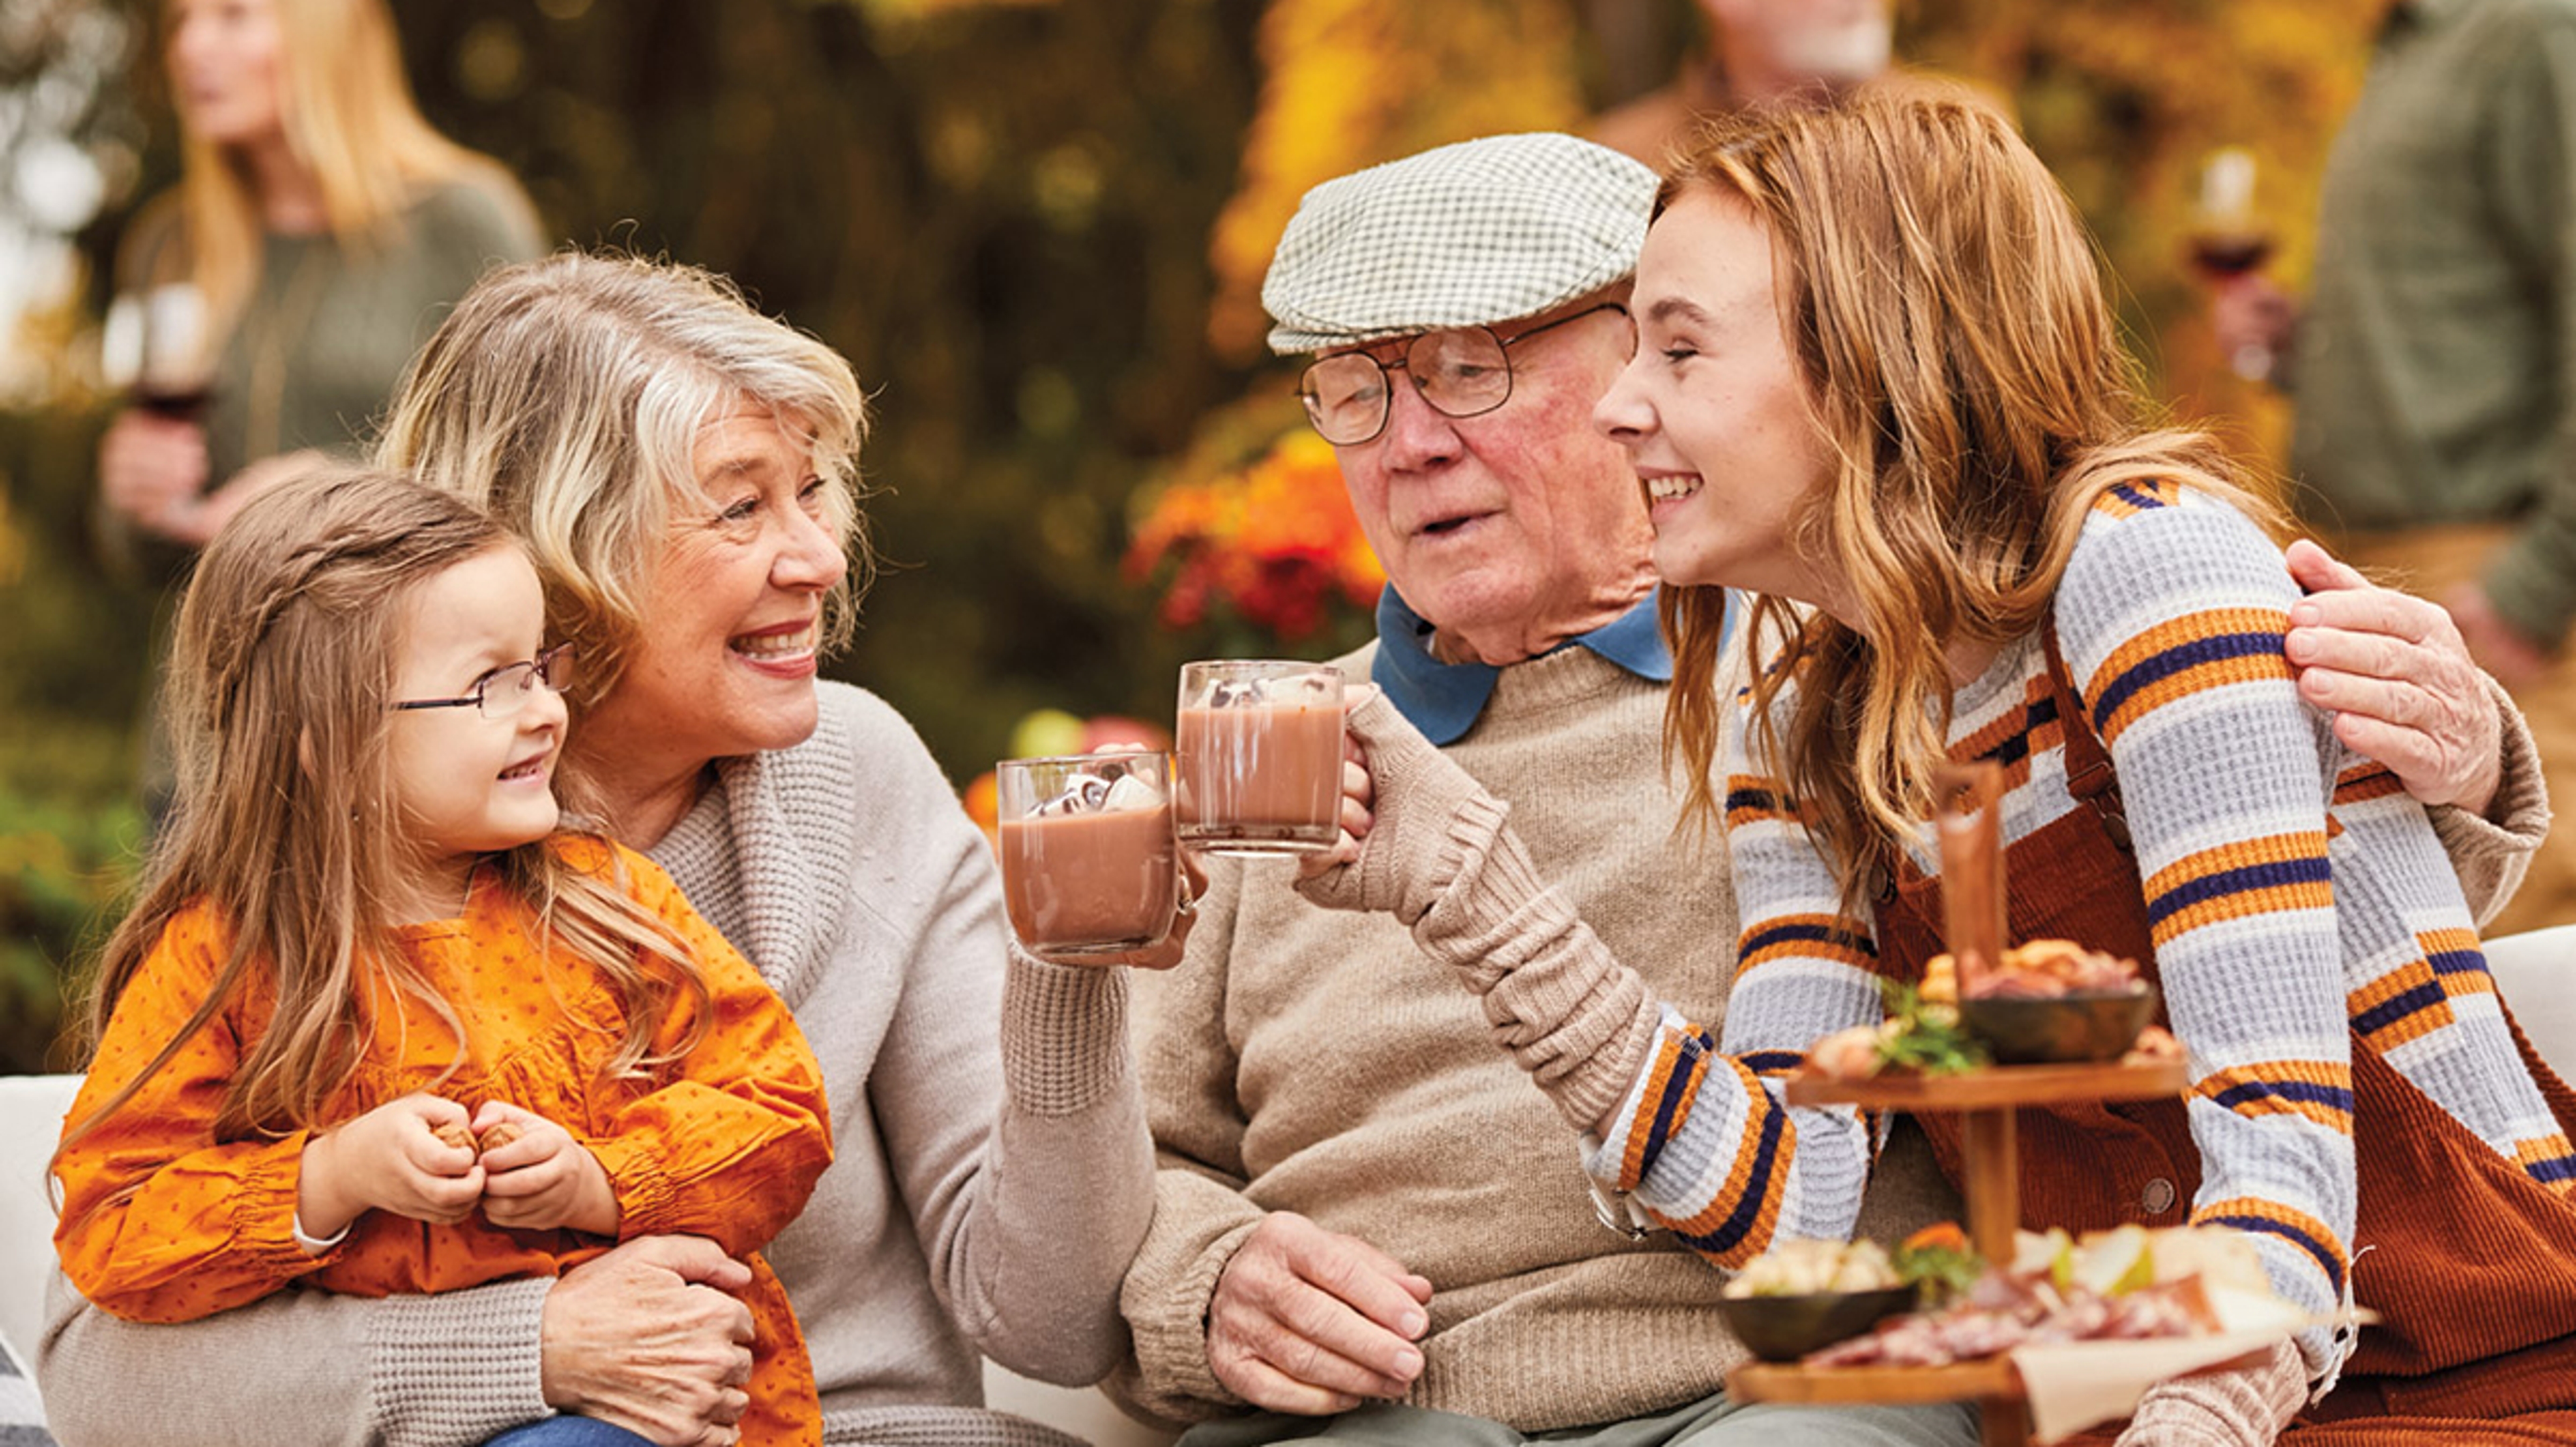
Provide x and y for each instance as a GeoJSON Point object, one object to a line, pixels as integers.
{"type": "Point", "coordinates": [1444, 700]}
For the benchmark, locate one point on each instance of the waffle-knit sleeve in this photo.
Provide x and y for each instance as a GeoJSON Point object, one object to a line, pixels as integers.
{"type": "Point", "coordinates": [2172, 615]}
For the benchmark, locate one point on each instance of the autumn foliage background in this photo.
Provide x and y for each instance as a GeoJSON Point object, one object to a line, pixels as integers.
{"type": "Point", "coordinates": [1038, 229]}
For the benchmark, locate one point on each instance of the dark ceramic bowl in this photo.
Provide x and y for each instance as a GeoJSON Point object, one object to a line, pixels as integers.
{"type": "Point", "coordinates": [2059, 1030]}
{"type": "Point", "coordinates": [1785, 1328]}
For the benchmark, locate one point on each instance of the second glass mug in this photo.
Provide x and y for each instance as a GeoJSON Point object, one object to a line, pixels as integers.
{"type": "Point", "coordinates": [1088, 862]}
{"type": "Point", "coordinates": [1260, 748]}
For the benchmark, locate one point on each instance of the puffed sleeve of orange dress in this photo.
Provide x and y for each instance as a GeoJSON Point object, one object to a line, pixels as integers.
{"type": "Point", "coordinates": [160, 1221]}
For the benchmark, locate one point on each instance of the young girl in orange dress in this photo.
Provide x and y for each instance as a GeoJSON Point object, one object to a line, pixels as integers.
{"type": "Point", "coordinates": [383, 1021]}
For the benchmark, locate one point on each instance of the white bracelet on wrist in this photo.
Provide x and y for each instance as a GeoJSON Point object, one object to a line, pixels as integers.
{"type": "Point", "coordinates": [313, 1247]}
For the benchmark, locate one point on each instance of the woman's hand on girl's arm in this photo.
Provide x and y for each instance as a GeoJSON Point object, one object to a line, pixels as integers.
{"type": "Point", "coordinates": [543, 1178]}
{"type": "Point", "coordinates": [389, 1159]}
{"type": "Point", "coordinates": [651, 1338]}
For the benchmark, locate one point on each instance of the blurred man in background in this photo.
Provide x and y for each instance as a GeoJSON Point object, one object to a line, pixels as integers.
{"type": "Point", "coordinates": [2434, 363]}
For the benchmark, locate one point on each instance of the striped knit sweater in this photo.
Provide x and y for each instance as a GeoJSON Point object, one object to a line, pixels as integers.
{"type": "Point", "coordinates": [2293, 890]}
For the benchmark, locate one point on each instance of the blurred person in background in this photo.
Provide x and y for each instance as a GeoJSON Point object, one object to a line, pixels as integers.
{"type": "Point", "coordinates": [2433, 364]}
{"type": "Point", "coordinates": [319, 229]}
{"type": "Point", "coordinates": [1755, 52]}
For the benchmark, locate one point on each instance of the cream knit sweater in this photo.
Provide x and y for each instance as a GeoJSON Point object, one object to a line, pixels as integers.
{"type": "Point", "coordinates": [1317, 1061]}
{"type": "Point", "coordinates": [991, 1171]}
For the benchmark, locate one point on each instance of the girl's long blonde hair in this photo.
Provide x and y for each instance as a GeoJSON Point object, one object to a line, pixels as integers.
{"type": "Point", "coordinates": [1945, 307]}
{"type": "Point", "coordinates": [350, 118]}
{"type": "Point", "coordinates": [289, 825]}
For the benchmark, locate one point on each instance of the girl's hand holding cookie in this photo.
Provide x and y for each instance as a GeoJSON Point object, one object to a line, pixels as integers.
{"type": "Point", "coordinates": [538, 1178]}
{"type": "Point", "coordinates": [402, 1156]}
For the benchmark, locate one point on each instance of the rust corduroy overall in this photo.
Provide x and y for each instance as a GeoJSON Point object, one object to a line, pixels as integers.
{"type": "Point", "coordinates": [2474, 1268]}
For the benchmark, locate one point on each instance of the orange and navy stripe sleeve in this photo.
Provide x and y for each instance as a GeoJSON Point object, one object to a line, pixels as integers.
{"type": "Point", "coordinates": [2172, 617]}
{"type": "Point", "coordinates": [1705, 1141]}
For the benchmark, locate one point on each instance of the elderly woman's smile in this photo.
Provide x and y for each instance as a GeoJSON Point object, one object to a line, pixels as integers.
{"type": "Point", "coordinates": [786, 649]}
{"type": "Point", "coordinates": [726, 666]}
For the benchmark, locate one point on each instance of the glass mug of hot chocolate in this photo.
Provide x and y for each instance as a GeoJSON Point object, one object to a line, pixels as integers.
{"type": "Point", "coordinates": [1088, 863]}
{"type": "Point", "coordinates": [1260, 746]}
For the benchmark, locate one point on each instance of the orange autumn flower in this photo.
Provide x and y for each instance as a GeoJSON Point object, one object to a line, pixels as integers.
{"type": "Point", "coordinates": [1274, 542]}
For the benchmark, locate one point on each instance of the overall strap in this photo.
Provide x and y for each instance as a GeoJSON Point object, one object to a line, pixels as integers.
{"type": "Point", "coordinates": [2089, 776]}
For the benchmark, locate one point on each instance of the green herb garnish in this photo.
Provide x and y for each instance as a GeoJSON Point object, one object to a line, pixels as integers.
{"type": "Point", "coordinates": [1938, 1263]}
{"type": "Point", "coordinates": [1928, 1037]}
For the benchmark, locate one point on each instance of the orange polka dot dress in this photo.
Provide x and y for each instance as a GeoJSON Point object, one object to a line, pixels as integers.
{"type": "Point", "coordinates": [163, 1222]}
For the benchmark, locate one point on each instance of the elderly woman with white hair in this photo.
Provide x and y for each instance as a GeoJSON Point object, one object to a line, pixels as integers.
{"type": "Point", "coordinates": [683, 470]}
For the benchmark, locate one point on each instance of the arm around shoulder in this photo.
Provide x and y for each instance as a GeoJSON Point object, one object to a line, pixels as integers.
{"type": "Point", "coordinates": [303, 1366]}
{"type": "Point", "coordinates": [2492, 851]}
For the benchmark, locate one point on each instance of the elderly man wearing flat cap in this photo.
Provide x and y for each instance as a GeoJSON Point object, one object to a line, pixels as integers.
{"type": "Point", "coordinates": [1364, 1211]}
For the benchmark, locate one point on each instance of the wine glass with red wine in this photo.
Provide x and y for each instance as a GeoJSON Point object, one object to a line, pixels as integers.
{"type": "Point", "coordinates": [157, 346]}
{"type": "Point", "coordinates": [2230, 239]}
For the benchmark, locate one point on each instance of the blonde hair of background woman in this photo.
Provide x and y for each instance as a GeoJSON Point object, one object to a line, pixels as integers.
{"type": "Point", "coordinates": [565, 396]}
{"type": "Point", "coordinates": [1946, 309]}
{"type": "Point", "coordinates": [289, 822]}
{"type": "Point", "coordinates": [350, 118]}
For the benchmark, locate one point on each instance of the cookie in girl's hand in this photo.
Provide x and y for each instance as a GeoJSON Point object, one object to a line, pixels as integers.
{"type": "Point", "coordinates": [455, 1136]}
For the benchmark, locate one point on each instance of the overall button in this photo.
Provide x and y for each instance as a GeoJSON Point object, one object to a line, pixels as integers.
{"type": "Point", "coordinates": [2158, 1197]}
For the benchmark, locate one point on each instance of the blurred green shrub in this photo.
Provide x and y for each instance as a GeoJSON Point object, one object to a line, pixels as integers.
{"type": "Point", "coordinates": [63, 870]}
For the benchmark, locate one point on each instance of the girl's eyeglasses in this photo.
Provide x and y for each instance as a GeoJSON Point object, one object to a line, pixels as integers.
{"type": "Point", "coordinates": [504, 691]}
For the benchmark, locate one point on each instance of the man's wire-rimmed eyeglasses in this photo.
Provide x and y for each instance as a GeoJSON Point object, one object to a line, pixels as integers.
{"type": "Point", "coordinates": [1460, 371]}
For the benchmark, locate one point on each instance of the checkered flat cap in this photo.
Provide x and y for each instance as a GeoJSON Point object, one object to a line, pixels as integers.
{"type": "Point", "coordinates": [1466, 235]}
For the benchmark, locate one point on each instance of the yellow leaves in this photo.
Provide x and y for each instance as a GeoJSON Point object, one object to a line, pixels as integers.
{"type": "Point", "coordinates": [1355, 82]}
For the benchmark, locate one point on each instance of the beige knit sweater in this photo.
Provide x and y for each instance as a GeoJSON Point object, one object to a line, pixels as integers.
{"type": "Point", "coordinates": [1316, 1061]}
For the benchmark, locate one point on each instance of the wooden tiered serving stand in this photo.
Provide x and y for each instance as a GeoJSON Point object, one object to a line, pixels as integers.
{"type": "Point", "coordinates": [1973, 919]}
{"type": "Point", "coordinates": [1987, 1100]}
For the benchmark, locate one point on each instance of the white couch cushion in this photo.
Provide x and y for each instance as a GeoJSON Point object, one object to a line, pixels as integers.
{"type": "Point", "coordinates": [31, 1120]}
{"type": "Point", "coordinates": [2536, 973]}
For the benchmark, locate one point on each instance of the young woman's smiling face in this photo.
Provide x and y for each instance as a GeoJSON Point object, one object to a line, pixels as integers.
{"type": "Point", "coordinates": [1713, 410]}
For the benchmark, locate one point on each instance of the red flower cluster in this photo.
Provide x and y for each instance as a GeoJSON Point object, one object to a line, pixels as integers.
{"type": "Point", "coordinates": [1276, 543]}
